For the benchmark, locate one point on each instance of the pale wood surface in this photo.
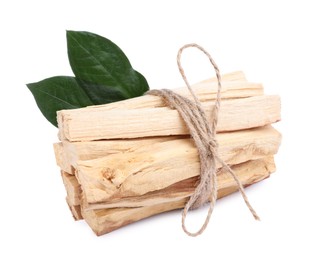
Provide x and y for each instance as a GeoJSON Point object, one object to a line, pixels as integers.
{"type": "Point", "coordinates": [74, 194]}
{"type": "Point", "coordinates": [237, 75]}
{"type": "Point", "coordinates": [153, 167]}
{"type": "Point", "coordinates": [95, 124]}
{"type": "Point", "coordinates": [68, 153]}
{"type": "Point", "coordinates": [75, 210]}
{"type": "Point", "coordinates": [249, 170]}
{"type": "Point", "coordinates": [106, 220]}
{"type": "Point", "coordinates": [62, 157]}
{"type": "Point", "coordinates": [205, 90]}
{"type": "Point", "coordinates": [73, 188]}
{"type": "Point", "coordinates": [234, 84]}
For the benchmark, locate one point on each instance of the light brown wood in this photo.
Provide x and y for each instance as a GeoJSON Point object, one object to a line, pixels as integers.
{"type": "Point", "coordinates": [75, 210]}
{"type": "Point", "coordinates": [68, 153]}
{"type": "Point", "coordinates": [106, 220]}
{"type": "Point", "coordinates": [154, 167]}
{"type": "Point", "coordinates": [73, 188]}
{"type": "Point", "coordinates": [237, 75]}
{"type": "Point", "coordinates": [186, 187]}
{"type": "Point", "coordinates": [129, 160]}
{"type": "Point", "coordinates": [94, 124]}
{"type": "Point", "coordinates": [62, 159]}
{"type": "Point", "coordinates": [74, 194]}
{"type": "Point", "coordinates": [205, 90]}
{"type": "Point", "coordinates": [234, 85]}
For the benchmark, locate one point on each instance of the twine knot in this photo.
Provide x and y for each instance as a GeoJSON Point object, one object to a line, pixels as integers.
{"type": "Point", "coordinates": [203, 134]}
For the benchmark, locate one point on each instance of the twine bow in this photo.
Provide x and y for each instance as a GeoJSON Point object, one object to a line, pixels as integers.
{"type": "Point", "coordinates": [203, 134]}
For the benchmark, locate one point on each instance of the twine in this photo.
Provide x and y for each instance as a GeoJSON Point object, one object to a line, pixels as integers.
{"type": "Point", "coordinates": [203, 134]}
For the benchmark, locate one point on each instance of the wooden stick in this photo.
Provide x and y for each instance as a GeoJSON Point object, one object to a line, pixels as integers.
{"type": "Point", "coordinates": [185, 188]}
{"type": "Point", "coordinates": [106, 220]}
{"type": "Point", "coordinates": [74, 194]}
{"type": "Point", "coordinates": [75, 210]}
{"type": "Point", "coordinates": [234, 84]}
{"type": "Point", "coordinates": [94, 124]}
{"type": "Point", "coordinates": [73, 188]}
{"type": "Point", "coordinates": [231, 76]}
{"type": "Point", "coordinates": [238, 88]}
{"type": "Point", "coordinates": [154, 167]}
{"type": "Point", "coordinates": [62, 159]}
{"type": "Point", "coordinates": [68, 153]}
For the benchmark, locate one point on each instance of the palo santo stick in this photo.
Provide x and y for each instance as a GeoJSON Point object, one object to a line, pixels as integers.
{"type": "Point", "coordinates": [73, 188]}
{"type": "Point", "coordinates": [94, 124]}
{"type": "Point", "coordinates": [75, 210]}
{"type": "Point", "coordinates": [231, 76]}
{"type": "Point", "coordinates": [68, 153]}
{"type": "Point", "coordinates": [186, 187]}
{"type": "Point", "coordinates": [157, 166]}
{"type": "Point", "coordinates": [74, 194]}
{"type": "Point", "coordinates": [231, 90]}
{"type": "Point", "coordinates": [234, 86]}
{"type": "Point", "coordinates": [106, 220]}
{"type": "Point", "coordinates": [62, 159]}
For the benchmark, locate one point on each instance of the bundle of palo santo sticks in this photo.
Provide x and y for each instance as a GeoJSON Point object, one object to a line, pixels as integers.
{"type": "Point", "coordinates": [132, 159]}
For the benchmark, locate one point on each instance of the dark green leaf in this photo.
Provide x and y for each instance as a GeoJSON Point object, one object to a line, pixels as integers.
{"type": "Point", "coordinates": [58, 93]}
{"type": "Point", "coordinates": [100, 94]}
{"type": "Point", "coordinates": [102, 65]}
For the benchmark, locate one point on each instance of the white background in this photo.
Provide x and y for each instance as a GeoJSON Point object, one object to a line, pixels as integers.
{"type": "Point", "coordinates": [268, 40]}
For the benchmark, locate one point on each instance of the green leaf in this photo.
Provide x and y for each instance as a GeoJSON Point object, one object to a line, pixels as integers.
{"type": "Point", "coordinates": [58, 93]}
{"type": "Point", "coordinates": [102, 68]}
{"type": "Point", "coordinates": [101, 94]}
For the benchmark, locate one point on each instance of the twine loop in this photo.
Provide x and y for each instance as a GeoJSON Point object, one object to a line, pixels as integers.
{"type": "Point", "coordinates": [203, 134]}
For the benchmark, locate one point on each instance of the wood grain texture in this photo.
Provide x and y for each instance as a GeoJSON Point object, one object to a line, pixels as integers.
{"type": "Point", "coordinates": [249, 170]}
{"type": "Point", "coordinates": [74, 194]}
{"type": "Point", "coordinates": [95, 124]}
{"type": "Point", "coordinates": [62, 158]}
{"type": "Point", "coordinates": [153, 167]}
{"type": "Point", "coordinates": [68, 153]}
{"type": "Point", "coordinates": [234, 85]}
{"type": "Point", "coordinates": [75, 210]}
{"type": "Point", "coordinates": [73, 188]}
{"type": "Point", "coordinates": [129, 160]}
{"type": "Point", "coordinates": [106, 220]}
